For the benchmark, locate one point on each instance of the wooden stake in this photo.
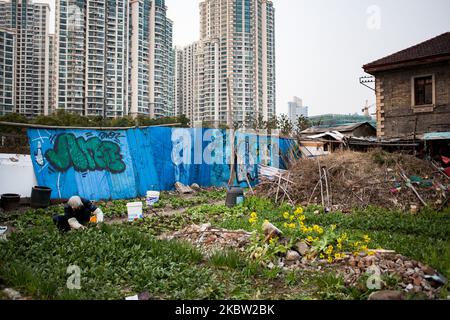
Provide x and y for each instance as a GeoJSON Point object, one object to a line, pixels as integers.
{"type": "Point", "coordinates": [409, 185]}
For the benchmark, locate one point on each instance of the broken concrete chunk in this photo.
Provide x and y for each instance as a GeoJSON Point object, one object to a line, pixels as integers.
{"type": "Point", "coordinates": [387, 295]}
{"type": "Point", "coordinates": [12, 294]}
{"type": "Point", "coordinates": [270, 229]}
{"type": "Point", "coordinates": [205, 227]}
{"type": "Point", "coordinates": [181, 188]}
{"type": "Point", "coordinates": [292, 256]}
{"type": "Point", "coordinates": [302, 247]}
{"type": "Point", "coordinates": [196, 187]}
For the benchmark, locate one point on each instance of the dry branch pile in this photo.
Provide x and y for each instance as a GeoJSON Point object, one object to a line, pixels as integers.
{"type": "Point", "coordinates": [357, 180]}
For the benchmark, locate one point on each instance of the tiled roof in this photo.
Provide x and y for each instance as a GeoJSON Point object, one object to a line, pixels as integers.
{"type": "Point", "coordinates": [438, 46]}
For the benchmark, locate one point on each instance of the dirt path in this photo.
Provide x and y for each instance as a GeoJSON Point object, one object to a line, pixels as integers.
{"type": "Point", "coordinates": [162, 213]}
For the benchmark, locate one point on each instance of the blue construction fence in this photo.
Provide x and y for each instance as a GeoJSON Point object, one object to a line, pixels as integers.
{"type": "Point", "coordinates": [125, 164]}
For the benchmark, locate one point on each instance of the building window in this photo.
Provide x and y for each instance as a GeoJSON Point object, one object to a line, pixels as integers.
{"type": "Point", "coordinates": [423, 90]}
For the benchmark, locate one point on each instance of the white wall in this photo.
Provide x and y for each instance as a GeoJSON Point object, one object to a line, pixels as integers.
{"type": "Point", "coordinates": [16, 174]}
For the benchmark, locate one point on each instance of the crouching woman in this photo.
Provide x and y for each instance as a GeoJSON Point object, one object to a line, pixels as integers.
{"type": "Point", "coordinates": [77, 214]}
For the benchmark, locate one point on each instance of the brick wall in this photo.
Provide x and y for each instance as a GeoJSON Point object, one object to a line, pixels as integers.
{"type": "Point", "coordinates": [395, 115]}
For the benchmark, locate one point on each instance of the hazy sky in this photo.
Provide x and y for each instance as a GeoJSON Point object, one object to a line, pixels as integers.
{"type": "Point", "coordinates": [321, 45]}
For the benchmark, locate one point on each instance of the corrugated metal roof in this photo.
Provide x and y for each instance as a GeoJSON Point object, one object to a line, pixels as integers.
{"type": "Point", "coordinates": [346, 128]}
{"type": "Point", "coordinates": [436, 136]}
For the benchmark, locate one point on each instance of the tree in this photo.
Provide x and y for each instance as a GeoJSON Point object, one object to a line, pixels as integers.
{"type": "Point", "coordinates": [285, 125]}
{"type": "Point", "coordinates": [303, 123]}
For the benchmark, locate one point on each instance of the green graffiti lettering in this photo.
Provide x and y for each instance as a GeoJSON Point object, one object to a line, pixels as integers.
{"type": "Point", "coordinates": [85, 155]}
{"type": "Point", "coordinates": [89, 148]}
{"type": "Point", "coordinates": [59, 157]}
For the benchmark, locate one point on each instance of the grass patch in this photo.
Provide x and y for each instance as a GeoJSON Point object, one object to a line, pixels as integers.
{"type": "Point", "coordinates": [229, 258]}
{"type": "Point", "coordinates": [121, 260]}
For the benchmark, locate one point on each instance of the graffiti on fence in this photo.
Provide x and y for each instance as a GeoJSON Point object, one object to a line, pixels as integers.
{"type": "Point", "coordinates": [123, 164]}
{"type": "Point", "coordinates": [85, 154]}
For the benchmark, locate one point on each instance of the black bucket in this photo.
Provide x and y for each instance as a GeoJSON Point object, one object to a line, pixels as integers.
{"type": "Point", "coordinates": [40, 197]}
{"type": "Point", "coordinates": [235, 196]}
{"type": "Point", "coordinates": [10, 201]}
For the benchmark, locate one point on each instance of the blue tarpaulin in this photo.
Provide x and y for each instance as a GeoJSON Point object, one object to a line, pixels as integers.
{"type": "Point", "coordinates": [124, 164]}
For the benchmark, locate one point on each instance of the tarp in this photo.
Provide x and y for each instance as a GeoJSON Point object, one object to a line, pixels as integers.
{"type": "Point", "coordinates": [436, 136]}
{"type": "Point", "coordinates": [125, 164]}
{"type": "Point", "coordinates": [336, 135]}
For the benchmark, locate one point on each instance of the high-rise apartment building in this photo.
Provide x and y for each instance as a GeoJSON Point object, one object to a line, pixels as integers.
{"type": "Point", "coordinates": [52, 73]}
{"type": "Point", "coordinates": [296, 109]}
{"type": "Point", "coordinates": [236, 57]}
{"type": "Point", "coordinates": [92, 57]}
{"type": "Point", "coordinates": [187, 73]}
{"type": "Point", "coordinates": [30, 24]}
{"type": "Point", "coordinates": [114, 58]}
{"type": "Point", "coordinates": [7, 74]}
{"type": "Point", "coordinates": [152, 59]}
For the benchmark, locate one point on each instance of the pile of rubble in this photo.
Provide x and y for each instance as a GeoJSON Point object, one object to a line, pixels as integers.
{"type": "Point", "coordinates": [210, 239]}
{"type": "Point", "coordinates": [412, 276]}
{"type": "Point", "coordinates": [347, 180]}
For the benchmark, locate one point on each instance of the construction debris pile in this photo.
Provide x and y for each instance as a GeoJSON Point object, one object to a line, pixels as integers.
{"type": "Point", "coordinates": [409, 276]}
{"type": "Point", "coordinates": [412, 276]}
{"type": "Point", "coordinates": [211, 239]}
{"type": "Point", "coordinates": [347, 180]}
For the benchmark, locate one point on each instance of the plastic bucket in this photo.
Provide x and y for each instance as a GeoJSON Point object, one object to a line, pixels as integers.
{"type": "Point", "coordinates": [235, 196]}
{"type": "Point", "coordinates": [40, 197]}
{"type": "Point", "coordinates": [134, 211]}
{"type": "Point", "coordinates": [10, 201]}
{"type": "Point", "coordinates": [152, 197]}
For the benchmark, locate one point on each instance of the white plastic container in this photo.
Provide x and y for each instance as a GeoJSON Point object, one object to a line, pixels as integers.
{"type": "Point", "coordinates": [152, 197]}
{"type": "Point", "coordinates": [134, 211]}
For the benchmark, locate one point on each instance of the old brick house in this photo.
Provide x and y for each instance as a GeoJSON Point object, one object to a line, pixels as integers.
{"type": "Point", "coordinates": [413, 90]}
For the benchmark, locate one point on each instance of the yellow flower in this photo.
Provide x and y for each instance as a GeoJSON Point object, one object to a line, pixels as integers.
{"type": "Point", "coordinates": [266, 221]}
{"type": "Point", "coordinates": [366, 238]}
{"type": "Point", "coordinates": [310, 239]}
{"type": "Point", "coordinates": [252, 220]}
{"type": "Point", "coordinates": [364, 248]}
{"type": "Point", "coordinates": [286, 225]}
{"type": "Point", "coordinates": [356, 254]}
{"type": "Point", "coordinates": [292, 218]}
{"type": "Point", "coordinates": [371, 253]}
{"type": "Point", "coordinates": [299, 211]}
{"type": "Point", "coordinates": [356, 244]}
{"type": "Point", "coordinates": [273, 241]}
{"type": "Point", "coordinates": [286, 215]}
{"type": "Point", "coordinates": [304, 229]}
{"type": "Point", "coordinates": [333, 227]}
{"type": "Point", "coordinates": [321, 256]}
{"type": "Point", "coordinates": [302, 218]}
{"type": "Point", "coordinates": [339, 245]}
{"type": "Point", "coordinates": [292, 226]}
{"type": "Point", "coordinates": [338, 256]}
{"type": "Point", "coordinates": [330, 260]}
{"type": "Point", "coordinates": [253, 215]}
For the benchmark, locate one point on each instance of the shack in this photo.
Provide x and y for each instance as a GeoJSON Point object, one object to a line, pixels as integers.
{"type": "Point", "coordinates": [413, 90]}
